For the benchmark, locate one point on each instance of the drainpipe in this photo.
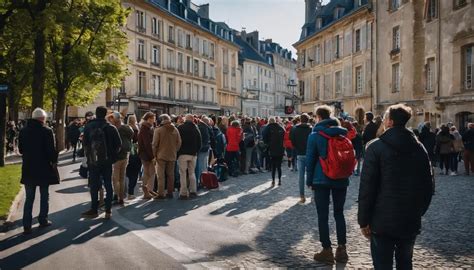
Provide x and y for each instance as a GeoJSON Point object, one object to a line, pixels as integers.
{"type": "Point", "coordinates": [439, 53]}
{"type": "Point", "coordinates": [375, 87]}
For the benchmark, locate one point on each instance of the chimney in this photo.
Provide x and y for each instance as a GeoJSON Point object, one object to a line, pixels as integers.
{"type": "Point", "coordinates": [203, 11]}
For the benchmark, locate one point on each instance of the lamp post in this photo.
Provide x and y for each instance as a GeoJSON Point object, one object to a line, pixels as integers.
{"type": "Point", "coordinates": [292, 86]}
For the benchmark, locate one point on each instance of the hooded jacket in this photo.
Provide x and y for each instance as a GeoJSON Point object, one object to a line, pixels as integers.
{"type": "Point", "coordinates": [318, 147]}
{"type": "Point", "coordinates": [166, 142]}
{"type": "Point", "coordinates": [299, 137]}
{"type": "Point", "coordinates": [145, 139]}
{"type": "Point", "coordinates": [396, 184]}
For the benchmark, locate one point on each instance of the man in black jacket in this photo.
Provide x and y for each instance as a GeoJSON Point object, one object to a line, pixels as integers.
{"type": "Point", "coordinates": [370, 131]}
{"type": "Point", "coordinates": [187, 156]}
{"type": "Point", "coordinates": [299, 137]}
{"type": "Point", "coordinates": [38, 150]}
{"type": "Point", "coordinates": [395, 191]}
{"type": "Point", "coordinates": [102, 145]}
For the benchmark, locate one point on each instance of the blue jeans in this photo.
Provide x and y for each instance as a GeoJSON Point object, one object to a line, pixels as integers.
{"type": "Point", "coordinates": [30, 191]}
{"type": "Point", "coordinates": [302, 170]}
{"type": "Point", "coordinates": [98, 176]}
{"type": "Point", "coordinates": [201, 165]}
{"type": "Point", "coordinates": [321, 198]}
{"type": "Point", "coordinates": [383, 247]}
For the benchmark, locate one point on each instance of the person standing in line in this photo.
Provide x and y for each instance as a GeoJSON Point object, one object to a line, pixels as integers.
{"type": "Point", "coordinates": [39, 167]}
{"type": "Point", "coordinates": [468, 156]}
{"type": "Point", "coordinates": [273, 135]}
{"type": "Point", "coordinates": [249, 143]}
{"type": "Point", "coordinates": [428, 139]}
{"type": "Point", "coordinates": [120, 166]}
{"type": "Point", "coordinates": [187, 156]}
{"type": "Point", "coordinates": [203, 155]}
{"type": "Point", "coordinates": [458, 147]}
{"type": "Point", "coordinates": [145, 151]}
{"type": "Point", "coordinates": [134, 162]}
{"type": "Point", "coordinates": [234, 137]}
{"type": "Point", "coordinates": [445, 148]}
{"type": "Point", "coordinates": [357, 143]}
{"type": "Point", "coordinates": [395, 191]}
{"type": "Point", "coordinates": [73, 134]}
{"type": "Point", "coordinates": [102, 145]}
{"type": "Point", "coordinates": [166, 143]}
{"type": "Point", "coordinates": [289, 146]}
{"type": "Point", "coordinates": [324, 187]}
{"type": "Point", "coordinates": [299, 138]}
{"type": "Point", "coordinates": [370, 130]}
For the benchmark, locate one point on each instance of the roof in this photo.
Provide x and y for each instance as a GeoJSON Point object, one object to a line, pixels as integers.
{"type": "Point", "coordinates": [247, 52]}
{"type": "Point", "coordinates": [326, 14]}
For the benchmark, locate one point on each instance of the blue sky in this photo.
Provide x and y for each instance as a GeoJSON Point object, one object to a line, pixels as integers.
{"type": "Point", "coordinates": [280, 20]}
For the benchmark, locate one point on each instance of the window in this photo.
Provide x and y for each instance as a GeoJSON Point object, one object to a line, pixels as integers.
{"type": "Point", "coordinates": [204, 48]}
{"type": "Point", "coordinates": [319, 23]}
{"type": "Point", "coordinates": [204, 69]}
{"type": "Point", "coordinates": [204, 94]}
{"type": "Point", "coordinates": [432, 11]}
{"type": "Point", "coordinates": [189, 65]}
{"type": "Point", "coordinates": [171, 34]}
{"type": "Point", "coordinates": [396, 38]}
{"type": "Point", "coordinates": [141, 50]}
{"type": "Point", "coordinates": [171, 59]}
{"type": "Point", "coordinates": [156, 85]}
{"type": "Point", "coordinates": [318, 54]}
{"type": "Point", "coordinates": [213, 71]}
{"type": "Point", "coordinates": [212, 50]}
{"type": "Point", "coordinates": [212, 95]}
{"type": "Point", "coordinates": [180, 62]}
{"type": "Point", "coordinates": [180, 90]}
{"type": "Point", "coordinates": [459, 4]}
{"type": "Point", "coordinates": [141, 21]}
{"type": "Point", "coordinates": [394, 4]}
{"type": "Point", "coordinates": [188, 91]}
{"type": "Point", "coordinates": [395, 78]}
{"type": "Point", "coordinates": [468, 69]}
{"type": "Point", "coordinates": [337, 47]}
{"type": "Point", "coordinates": [195, 92]}
{"type": "Point", "coordinates": [226, 81]}
{"type": "Point", "coordinates": [170, 88]}
{"type": "Point", "coordinates": [196, 44]}
{"type": "Point", "coordinates": [358, 3]}
{"type": "Point", "coordinates": [430, 75]}
{"type": "Point", "coordinates": [141, 83]}
{"type": "Point", "coordinates": [180, 38]}
{"type": "Point", "coordinates": [338, 81]}
{"type": "Point", "coordinates": [357, 40]}
{"type": "Point", "coordinates": [317, 88]}
{"type": "Point", "coordinates": [188, 41]}
{"type": "Point", "coordinates": [338, 13]}
{"type": "Point", "coordinates": [155, 55]}
{"type": "Point", "coordinates": [155, 27]}
{"type": "Point", "coordinates": [358, 72]}
{"type": "Point", "coordinates": [196, 67]}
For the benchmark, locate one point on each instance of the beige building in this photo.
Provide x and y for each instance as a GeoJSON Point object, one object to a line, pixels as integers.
{"type": "Point", "coordinates": [425, 59]}
{"type": "Point", "coordinates": [335, 57]}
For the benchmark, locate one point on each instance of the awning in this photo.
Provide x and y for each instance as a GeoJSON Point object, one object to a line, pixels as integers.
{"type": "Point", "coordinates": [153, 100]}
{"type": "Point", "coordinates": [203, 107]}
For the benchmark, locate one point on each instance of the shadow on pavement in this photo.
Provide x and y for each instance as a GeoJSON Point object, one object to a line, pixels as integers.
{"type": "Point", "coordinates": [73, 231]}
{"type": "Point", "coordinates": [75, 189]}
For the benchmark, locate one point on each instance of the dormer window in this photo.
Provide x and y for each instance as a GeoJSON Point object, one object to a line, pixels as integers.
{"type": "Point", "coordinates": [338, 13]}
{"type": "Point", "coordinates": [319, 23]}
{"type": "Point", "coordinates": [357, 3]}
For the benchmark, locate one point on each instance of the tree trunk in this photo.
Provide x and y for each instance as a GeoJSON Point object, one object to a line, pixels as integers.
{"type": "Point", "coordinates": [38, 70]}
{"type": "Point", "coordinates": [3, 127]}
{"type": "Point", "coordinates": [59, 117]}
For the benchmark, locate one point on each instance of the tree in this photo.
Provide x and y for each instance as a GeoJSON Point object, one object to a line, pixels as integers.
{"type": "Point", "coordinates": [87, 53]}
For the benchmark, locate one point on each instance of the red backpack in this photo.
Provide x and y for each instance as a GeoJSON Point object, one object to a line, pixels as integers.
{"type": "Point", "coordinates": [340, 160]}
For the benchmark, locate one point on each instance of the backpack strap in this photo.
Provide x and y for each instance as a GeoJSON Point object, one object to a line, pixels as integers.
{"type": "Point", "coordinates": [324, 135]}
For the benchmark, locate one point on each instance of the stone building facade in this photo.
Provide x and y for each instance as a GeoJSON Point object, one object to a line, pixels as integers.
{"type": "Point", "coordinates": [335, 57]}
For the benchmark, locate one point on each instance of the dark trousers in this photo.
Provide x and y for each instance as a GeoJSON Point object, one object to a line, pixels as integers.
{"type": "Point", "coordinates": [276, 166]}
{"type": "Point", "coordinates": [454, 162]}
{"type": "Point", "coordinates": [445, 161]}
{"type": "Point", "coordinates": [383, 248]}
{"type": "Point", "coordinates": [98, 176]}
{"type": "Point", "coordinates": [133, 170]}
{"type": "Point", "coordinates": [30, 191]}
{"type": "Point", "coordinates": [232, 160]}
{"type": "Point", "coordinates": [321, 198]}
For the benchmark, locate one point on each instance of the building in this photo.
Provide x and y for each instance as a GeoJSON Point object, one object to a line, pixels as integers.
{"type": "Point", "coordinates": [425, 59]}
{"type": "Point", "coordinates": [258, 77]}
{"type": "Point", "coordinates": [335, 56]}
{"type": "Point", "coordinates": [286, 91]}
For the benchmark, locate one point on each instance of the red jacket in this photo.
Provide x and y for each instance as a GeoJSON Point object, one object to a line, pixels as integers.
{"type": "Point", "coordinates": [286, 141]}
{"type": "Point", "coordinates": [234, 136]}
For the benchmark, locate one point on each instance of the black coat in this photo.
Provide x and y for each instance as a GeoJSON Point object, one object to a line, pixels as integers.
{"type": "Point", "coordinates": [370, 132]}
{"type": "Point", "coordinates": [39, 154]}
{"type": "Point", "coordinates": [396, 184]}
{"type": "Point", "coordinates": [428, 139]}
{"type": "Point", "coordinates": [468, 139]}
{"type": "Point", "coordinates": [191, 139]}
{"type": "Point", "coordinates": [299, 137]}
{"type": "Point", "coordinates": [73, 133]}
{"type": "Point", "coordinates": [206, 133]}
{"type": "Point", "coordinates": [273, 136]}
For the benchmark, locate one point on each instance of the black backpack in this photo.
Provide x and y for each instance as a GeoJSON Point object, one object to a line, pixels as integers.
{"type": "Point", "coordinates": [97, 154]}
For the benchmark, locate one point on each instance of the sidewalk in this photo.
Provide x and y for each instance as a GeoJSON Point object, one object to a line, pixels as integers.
{"type": "Point", "coordinates": [16, 158]}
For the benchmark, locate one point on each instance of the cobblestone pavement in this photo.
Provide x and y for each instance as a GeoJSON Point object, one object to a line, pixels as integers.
{"type": "Point", "coordinates": [282, 233]}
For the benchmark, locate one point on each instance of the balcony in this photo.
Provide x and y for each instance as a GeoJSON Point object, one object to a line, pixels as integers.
{"type": "Point", "coordinates": [205, 77]}
{"type": "Point", "coordinates": [156, 36]}
{"type": "Point", "coordinates": [171, 41]}
{"type": "Point", "coordinates": [155, 64]}
{"type": "Point", "coordinates": [189, 48]}
{"type": "Point", "coordinates": [171, 68]}
{"type": "Point", "coordinates": [141, 29]}
{"type": "Point", "coordinates": [180, 70]}
{"type": "Point", "coordinates": [189, 73]}
{"type": "Point", "coordinates": [141, 60]}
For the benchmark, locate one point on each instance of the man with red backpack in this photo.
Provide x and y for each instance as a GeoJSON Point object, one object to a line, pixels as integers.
{"type": "Point", "coordinates": [330, 160]}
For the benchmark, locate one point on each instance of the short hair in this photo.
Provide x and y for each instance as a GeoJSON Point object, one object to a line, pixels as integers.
{"type": "Point", "coordinates": [132, 119]}
{"type": "Point", "coordinates": [148, 115]}
{"type": "Point", "coordinates": [271, 120]}
{"type": "Point", "coordinates": [189, 117]}
{"type": "Point", "coordinates": [100, 112]}
{"type": "Point", "coordinates": [39, 113]}
{"type": "Point", "coordinates": [470, 125]}
{"type": "Point", "coordinates": [235, 123]}
{"type": "Point", "coordinates": [323, 111]}
{"type": "Point", "coordinates": [399, 114]}
{"type": "Point", "coordinates": [369, 116]}
{"type": "Point", "coordinates": [165, 117]}
{"type": "Point", "coordinates": [304, 118]}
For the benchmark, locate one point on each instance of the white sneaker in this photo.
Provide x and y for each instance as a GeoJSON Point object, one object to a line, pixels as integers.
{"type": "Point", "coordinates": [453, 174]}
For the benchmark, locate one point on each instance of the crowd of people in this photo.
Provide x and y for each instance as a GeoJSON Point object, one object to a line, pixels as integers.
{"type": "Point", "coordinates": [169, 153]}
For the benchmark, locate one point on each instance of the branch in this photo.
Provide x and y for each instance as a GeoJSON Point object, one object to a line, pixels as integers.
{"type": "Point", "coordinates": [95, 33]}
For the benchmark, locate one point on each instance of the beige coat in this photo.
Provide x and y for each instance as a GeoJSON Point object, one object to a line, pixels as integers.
{"type": "Point", "coordinates": [166, 142]}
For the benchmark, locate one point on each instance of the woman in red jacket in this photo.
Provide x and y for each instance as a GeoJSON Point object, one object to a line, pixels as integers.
{"type": "Point", "coordinates": [234, 136]}
{"type": "Point", "coordinates": [289, 146]}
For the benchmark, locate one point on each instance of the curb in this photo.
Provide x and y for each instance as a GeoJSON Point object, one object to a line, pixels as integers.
{"type": "Point", "coordinates": [8, 223]}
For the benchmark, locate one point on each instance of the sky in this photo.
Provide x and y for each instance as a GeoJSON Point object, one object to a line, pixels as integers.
{"type": "Point", "coordinates": [280, 20]}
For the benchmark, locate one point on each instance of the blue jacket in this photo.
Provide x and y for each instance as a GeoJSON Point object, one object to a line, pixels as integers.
{"type": "Point", "coordinates": [317, 146]}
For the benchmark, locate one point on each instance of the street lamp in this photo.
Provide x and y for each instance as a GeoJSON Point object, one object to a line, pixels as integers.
{"type": "Point", "coordinates": [292, 86]}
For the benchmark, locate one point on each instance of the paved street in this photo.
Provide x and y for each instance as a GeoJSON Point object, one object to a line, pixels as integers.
{"type": "Point", "coordinates": [246, 223]}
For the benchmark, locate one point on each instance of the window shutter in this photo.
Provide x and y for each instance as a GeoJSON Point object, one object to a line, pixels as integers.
{"type": "Point", "coordinates": [362, 77]}
{"type": "Point", "coordinates": [331, 55]}
{"type": "Point", "coordinates": [369, 36]}
{"type": "Point", "coordinates": [144, 18]}
{"type": "Point", "coordinates": [368, 79]}
{"type": "Point", "coordinates": [363, 37]}
{"type": "Point", "coordinates": [347, 82]}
